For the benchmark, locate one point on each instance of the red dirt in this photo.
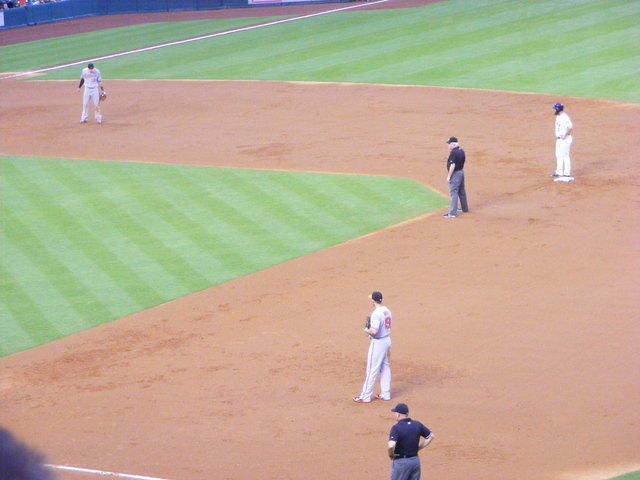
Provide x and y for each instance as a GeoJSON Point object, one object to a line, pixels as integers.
{"type": "Point", "coordinates": [516, 326]}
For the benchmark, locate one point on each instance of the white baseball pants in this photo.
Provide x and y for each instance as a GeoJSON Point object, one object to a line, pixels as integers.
{"type": "Point", "coordinates": [378, 363]}
{"type": "Point", "coordinates": [91, 95]}
{"type": "Point", "coordinates": [563, 158]}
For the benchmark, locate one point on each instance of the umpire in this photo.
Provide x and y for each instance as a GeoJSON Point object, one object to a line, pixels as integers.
{"type": "Point", "coordinates": [405, 439]}
{"type": "Point", "coordinates": [455, 178]}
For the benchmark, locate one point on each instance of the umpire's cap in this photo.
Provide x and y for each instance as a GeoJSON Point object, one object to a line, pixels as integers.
{"type": "Point", "coordinates": [401, 408]}
{"type": "Point", "coordinates": [452, 140]}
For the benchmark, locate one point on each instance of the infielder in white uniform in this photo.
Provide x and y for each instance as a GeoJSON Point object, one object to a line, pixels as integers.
{"type": "Point", "coordinates": [379, 332]}
{"type": "Point", "coordinates": [563, 130]}
{"type": "Point", "coordinates": [92, 81]}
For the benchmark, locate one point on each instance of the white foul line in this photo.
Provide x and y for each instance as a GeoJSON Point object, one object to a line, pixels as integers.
{"type": "Point", "coordinates": [101, 472]}
{"type": "Point", "coordinates": [195, 39]}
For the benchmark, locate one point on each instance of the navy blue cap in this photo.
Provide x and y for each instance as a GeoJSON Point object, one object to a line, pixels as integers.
{"type": "Point", "coordinates": [376, 297]}
{"type": "Point", "coordinates": [401, 408]}
{"type": "Point", "coordinates": [558, 107]}
{"type": "Point", "coordinates": [452, 140]}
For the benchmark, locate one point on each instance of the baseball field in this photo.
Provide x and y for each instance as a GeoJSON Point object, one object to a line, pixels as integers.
{"type": "Point", "coordinates": [184, 286]}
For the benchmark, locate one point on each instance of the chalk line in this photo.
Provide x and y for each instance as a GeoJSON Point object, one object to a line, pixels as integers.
{"type": "Point", "coordinates": [101, 472]}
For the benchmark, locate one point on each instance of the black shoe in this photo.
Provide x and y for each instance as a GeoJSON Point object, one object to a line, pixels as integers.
{"type": "Point", "coordinates": [555, 175]}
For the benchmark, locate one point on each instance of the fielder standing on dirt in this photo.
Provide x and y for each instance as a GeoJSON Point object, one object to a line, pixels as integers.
{"type": "Point", "coordinates": [93, 92]}
{"type": "Point", "coordinates": [379, 330]}
{"type": "Point", "coordinates": [564, 139]}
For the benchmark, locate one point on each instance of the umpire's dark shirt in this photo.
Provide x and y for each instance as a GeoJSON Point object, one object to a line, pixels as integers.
{"type": "Point", "coordinates": [406, 433]}
{"type": "Point", "coordinates": [456, 156]}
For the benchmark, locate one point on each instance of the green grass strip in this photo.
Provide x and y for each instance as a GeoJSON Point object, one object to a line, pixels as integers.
{"type": "Point", "coordinates": [577, 48]}
{"type": "Point", "coordinates": [88, 242]}
{"type": "Point", "coordinates": [42, 53]}
{"type": "Point", "coordinates": [628, 476]}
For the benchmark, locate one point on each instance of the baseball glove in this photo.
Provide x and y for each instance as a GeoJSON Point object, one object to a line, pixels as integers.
{"type": "Point", "coordinates": [103, 96]}
{"type": "Point", "coordinates": [367, 324]}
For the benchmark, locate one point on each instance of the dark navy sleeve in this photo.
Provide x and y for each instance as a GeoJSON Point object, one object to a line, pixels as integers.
{"type": "Point", "coordinates": [424, 431]}
{"type": "Point", "coordinates": [393, 435]}
{"type": "Point", "coordinates": [450, 160]}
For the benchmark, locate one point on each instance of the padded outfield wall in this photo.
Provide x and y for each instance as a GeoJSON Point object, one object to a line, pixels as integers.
{"type": "Point", "coordinates": [70, 9]}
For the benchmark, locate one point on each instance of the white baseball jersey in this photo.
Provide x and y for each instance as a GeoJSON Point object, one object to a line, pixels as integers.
{"type": "Point", "coordinates": [563, 125]}
{"type": "Point", "coordinates": [381, 321]}
{"type": "Point", "coordinates": [92, 78]}
{"type": "Point", "coordinates": [378, 356]}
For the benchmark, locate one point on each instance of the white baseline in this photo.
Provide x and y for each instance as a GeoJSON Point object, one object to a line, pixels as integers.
{"type": "Point", "coordinates": [101, 472]}
{"type": "Point", "coordinates": [189, 40]}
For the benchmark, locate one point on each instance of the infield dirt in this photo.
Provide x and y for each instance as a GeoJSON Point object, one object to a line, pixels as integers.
{"type": "Point", "coordinates": [516, 327]}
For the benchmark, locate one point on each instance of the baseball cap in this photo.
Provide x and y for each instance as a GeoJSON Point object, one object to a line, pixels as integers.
{"type": "Point", "coordinates": [452, 140]}
{"type": "Point", "coordinates": [376, 297]}
{"type": "Point", "coordinates": [401, 408]}
{"type": "Point", "coordinates": [90, 65]}
{"type": "Point", "coordinates": [558, 107]}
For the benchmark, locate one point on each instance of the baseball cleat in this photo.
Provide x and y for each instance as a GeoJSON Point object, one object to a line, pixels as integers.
{"type": "Point", "coordinates": [555, 175]}
{"type": "Point", "coordinates": [83, 121]}
{"type": "Point", "coordinates": [448, 215]}
{"type": "Point", "coordinates": [360, 400]}
{"type": "Point", "coordinates": [380, 397]}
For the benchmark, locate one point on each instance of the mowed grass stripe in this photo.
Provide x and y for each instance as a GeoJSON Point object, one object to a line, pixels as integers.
{"type": "Point", "coordinates": [628, 476]}
{"type": "Point", "coordinates": [43, 53]}
{"type": "Point", "coordinates": [170, 229]}
{"type": "Point", "coordinates": [59, 276]}
{"type": "Point", "coordinates": [108, 216]}
{"type": "Point", "coordinates": [253, 55]}
{"type": "Point", "coordinates": [84, 240]}
{"type": "Point", "coordinates": [573, 72]}
{"type": "Point", "coordinates": [494, 33]}
{"type": "Point", "coordinates": [33, 240]}
{"type": "Point", "coordinates": [365, 192]}
{"type": "Point", "coordinates": [307, 198]}
{"type": "Point", "coordinates": [84, 196]}
{"type": "Point", "coordinates": [78, 232]}
{"type": "Point", "coordinates": [234, 209]}
{"type": "Point", "coordinates": [453, 54]}
{"type": "Point", "coordinates": [285, 45]}
{"type": "Point", "coordinates": [403, 38]}
{"type": "Point", "coordinates": [18, 303]}
{"type": "Point", "coordinates": [343, 205]}
{"type": "Point", "coordinates": [590, 54]}
{"type": "Point", "coordinates": [625, 85]}
{"type": "Point", "coordinates": [27, 269]}
{"type": "Point", "coordinates": [537, 66]}
{"type": "Point", "coordinates": [330, 211]}
{"type": "Point", "coordinates": [277, 209]}
{"type": "Point", "coordinates": [456, 43]}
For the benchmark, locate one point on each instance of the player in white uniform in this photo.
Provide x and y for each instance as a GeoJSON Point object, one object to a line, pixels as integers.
{"type": "Point", "coordinates": [92, 81]}
{"type": "Point", "coordinates": [563, 129]}
{"type": "Point", "coordinates": [379, 349]}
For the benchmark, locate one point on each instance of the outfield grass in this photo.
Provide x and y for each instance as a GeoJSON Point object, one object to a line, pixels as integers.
{"type": "Point", "coordinates": [583, 48]}
{"type": "Point", "coordinates": [88, 242]}
{"type": "Point", "coordinates": [56, 51]}
{"type": "Point", "coordinates": [629, 476]}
